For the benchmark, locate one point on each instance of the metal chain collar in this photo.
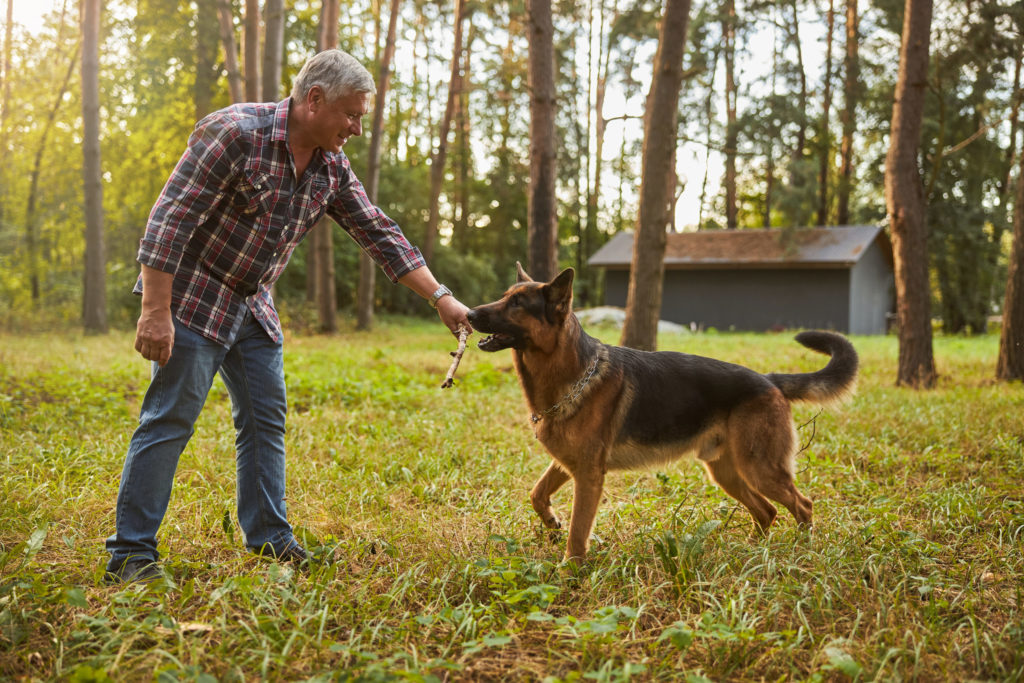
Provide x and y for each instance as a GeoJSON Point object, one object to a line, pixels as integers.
{"type": "Point", "coordinates": [574, 392]}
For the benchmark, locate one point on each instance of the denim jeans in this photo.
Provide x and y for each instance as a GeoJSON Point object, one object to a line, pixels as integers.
{"type": "Point", "coordinates": [253, 371]}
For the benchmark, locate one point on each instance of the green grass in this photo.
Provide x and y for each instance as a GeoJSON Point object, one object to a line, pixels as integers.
{"type": "Point", "coordinates": [434, 566]}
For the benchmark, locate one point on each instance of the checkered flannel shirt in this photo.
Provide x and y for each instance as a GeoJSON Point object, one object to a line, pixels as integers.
{"type": "Point", "coordinates": [232, 212]}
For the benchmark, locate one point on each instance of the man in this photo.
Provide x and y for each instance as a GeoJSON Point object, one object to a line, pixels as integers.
{"type": "Point", "coordinates": [253, 181]}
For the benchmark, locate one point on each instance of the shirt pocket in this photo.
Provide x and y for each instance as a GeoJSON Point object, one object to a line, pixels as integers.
{"type": "Point", "coordinates": [313, 206]}
{"type": "Point", "coordinates": [255, 193]}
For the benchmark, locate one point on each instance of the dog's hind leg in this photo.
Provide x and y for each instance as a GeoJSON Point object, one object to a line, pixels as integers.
{"type": "Point", "coordinates": [778, 485]}
{"type": "Point", "coordinates": [540, 496]}
{"type": "Point", "coordinates": [763, 448]}
{"type": "Point", "coordinates": [723, 472]}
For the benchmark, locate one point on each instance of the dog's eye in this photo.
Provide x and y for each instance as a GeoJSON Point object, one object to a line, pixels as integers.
{"type": "Point", "coordinates": [514, 301]}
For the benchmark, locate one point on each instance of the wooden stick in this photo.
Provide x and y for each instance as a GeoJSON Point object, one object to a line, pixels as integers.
{"type": "Point", "coordinates": [449, 379]}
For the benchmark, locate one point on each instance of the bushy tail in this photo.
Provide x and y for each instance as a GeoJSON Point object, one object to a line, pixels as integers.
{"type": "Point", "coordinates": [834, 382]}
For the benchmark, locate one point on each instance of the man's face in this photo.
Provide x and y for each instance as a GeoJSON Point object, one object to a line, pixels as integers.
{"type": "Point", "coordinates": [334, 122]}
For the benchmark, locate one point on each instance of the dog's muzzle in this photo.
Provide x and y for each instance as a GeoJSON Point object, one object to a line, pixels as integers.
{"type": "Point", "coordinates": [495, 342]}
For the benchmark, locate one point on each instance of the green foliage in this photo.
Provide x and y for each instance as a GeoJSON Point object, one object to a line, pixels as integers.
{"type": "Point", "coordinates": [431, 564]}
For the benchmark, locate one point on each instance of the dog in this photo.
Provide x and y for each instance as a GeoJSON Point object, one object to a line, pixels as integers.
{"type": "Point", "coordinates": [597, 407]}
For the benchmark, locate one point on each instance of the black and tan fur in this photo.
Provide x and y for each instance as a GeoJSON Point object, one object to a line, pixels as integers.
{"type": "Point", "coordinates": [640, 409]}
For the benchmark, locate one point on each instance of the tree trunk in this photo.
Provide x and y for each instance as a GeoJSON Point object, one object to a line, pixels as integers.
{"type": "Point", "coordinates": [797, 174]}
{"type": "Point", "coordinates": [460, 229]}
{"type": "Point", "coordinates": [207, 38]}
{"type": "Point", "coordinates": [31, 241]}
{"type": "Point", "coordinates": [1010, 364]}
{"type": "Point", "coordinates": [94, 299]}
{"type": "Point", "coordinates": [439, 157]}
{"type": "Point", "coordinates": [731, 126]}
{"type": "Point", "coordinates": [252, 51]}
{"type": "Point", "coordinates": [588, 283]}
{"type": "Point", "coordinates": [851, 79]}
{"type": "Point", "coordinates": [643, 301]}
{"type": "Point", "coordinates": [824, 135]}
{"type": "Point", "coordinates": [542, 221]}
{"type": "Point", "coordinates": [227, 37]}
{"type": "Point", "coordinates": [322, 235]}
{"type": "Point", "coordinates": [904, 198]}
{"type": "Point", "coordinates": [5, 103]}
{"type": "Point", "coordinates": [367, 269]}
{"type": "Point", "coordinates": [273, 49]}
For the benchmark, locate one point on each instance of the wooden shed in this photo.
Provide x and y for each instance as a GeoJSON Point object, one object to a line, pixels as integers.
{"type": "Point", "coordinates": [756, 280]}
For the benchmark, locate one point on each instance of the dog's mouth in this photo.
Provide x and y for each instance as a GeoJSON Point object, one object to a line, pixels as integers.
{"type": "Point", "coordinates": [496, 342]}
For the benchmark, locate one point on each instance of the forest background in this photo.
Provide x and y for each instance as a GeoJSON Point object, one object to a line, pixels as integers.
{"type": "Point", "coordinates": [795, 95]}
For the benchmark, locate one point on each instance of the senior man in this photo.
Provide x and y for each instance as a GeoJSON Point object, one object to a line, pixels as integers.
{"type": "Point", "coordinates": [252, 182]}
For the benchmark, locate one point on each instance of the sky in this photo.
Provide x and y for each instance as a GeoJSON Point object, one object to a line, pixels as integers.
{"type": "Point", "coordinates": [30, 13]}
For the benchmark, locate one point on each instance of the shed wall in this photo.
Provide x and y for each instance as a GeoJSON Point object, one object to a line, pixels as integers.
{"type": "Point", "coordinates": [872, 292]}
{"type": "Point", "coordinates": [749, 300]}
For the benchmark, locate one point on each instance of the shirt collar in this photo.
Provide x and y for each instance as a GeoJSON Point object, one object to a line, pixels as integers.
{"type": "Point", "coordinates": [280, 131]}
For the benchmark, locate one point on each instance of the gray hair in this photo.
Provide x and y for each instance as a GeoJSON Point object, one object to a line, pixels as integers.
{"type": "Point", "coordinates": [337, 73]}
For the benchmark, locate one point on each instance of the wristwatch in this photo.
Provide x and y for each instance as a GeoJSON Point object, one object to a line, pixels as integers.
{"type": "Point", "coordinates": [441, 291]}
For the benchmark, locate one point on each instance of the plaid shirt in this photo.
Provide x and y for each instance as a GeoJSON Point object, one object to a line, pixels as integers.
{"type": "Point", "coordinates": [232, 212]}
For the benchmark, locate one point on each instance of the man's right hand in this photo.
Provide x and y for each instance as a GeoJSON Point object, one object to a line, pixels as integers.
{"type": "Point", "coordinates": [154, 335]}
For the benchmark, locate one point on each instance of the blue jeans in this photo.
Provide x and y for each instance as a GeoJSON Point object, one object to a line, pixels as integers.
{"type": "Point", "coordinates": [253, 371]}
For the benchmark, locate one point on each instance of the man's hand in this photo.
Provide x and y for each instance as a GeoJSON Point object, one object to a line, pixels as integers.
{"type": "Point", "coordinates": [154, 336]}
{"type": "Point", "coordinates": [453, 314]}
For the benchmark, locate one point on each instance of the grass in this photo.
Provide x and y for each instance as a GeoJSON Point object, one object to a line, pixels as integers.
{"type": "Point", "coordinates": [433, 565]}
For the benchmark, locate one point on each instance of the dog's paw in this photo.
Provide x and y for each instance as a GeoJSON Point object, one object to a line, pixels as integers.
{"type": "Point", "coordinates": [552, 522]}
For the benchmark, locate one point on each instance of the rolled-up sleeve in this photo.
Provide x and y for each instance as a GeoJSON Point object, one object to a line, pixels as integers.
{"type": "Point", "coordinates": [374, 232]}
{"type": "Point", "coordinates": [191, 193]}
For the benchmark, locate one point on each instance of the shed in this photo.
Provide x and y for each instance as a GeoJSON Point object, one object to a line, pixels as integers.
{"type": "Point", "coordinates": [755, 280]}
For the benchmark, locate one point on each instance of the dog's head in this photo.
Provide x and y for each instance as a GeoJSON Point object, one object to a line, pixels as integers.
{"type": "Point", "coordinates": [530, 314]}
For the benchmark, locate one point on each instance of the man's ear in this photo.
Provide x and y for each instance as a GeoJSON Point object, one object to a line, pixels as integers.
{"type": "Point", "coordinates": [559, 292]}
{"type": "Point", "coordinates": [315, 98]}
{"type": "Point", "coordinates": [522, 275]}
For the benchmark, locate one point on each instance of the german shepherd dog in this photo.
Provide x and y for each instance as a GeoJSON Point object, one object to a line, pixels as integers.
{"type": "Point", "coordinates": [597, 407]}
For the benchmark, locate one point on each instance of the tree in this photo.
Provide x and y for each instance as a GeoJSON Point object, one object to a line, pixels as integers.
{"type": "Point", "coordinates": [851, 85]}
{"type": "Point", "coordinates": [824, 138]}
{"type": "Point", "coordinates": [1010, 364]}
{"type": "Point", "coordinates": [439, 157]}
{"type": "Point", "coordinates": [273, 49]}
{"type": "Point", "coordinates": [94, 300]}
{"type": "Point", "coordinates": [31, 236]}
{"type": "Point", "coordinates": [252, 51]}
{"type": "Point", "coordinates": [643, 301]}
{"type": "Point", "coordinates": [542, 221]}
{"type": "Point", "coordinates": [904, 199]}
{"type": "Point", "coordinates": [321, 249]}
{"type": "Point", "coordinates": [367, 269]}
{"type": "Point", "coordinates": [227, 37]}
{"type": "Point", "coordinates": [731, 96]}
{"type": "Point", "coordinates": [5, 99]}
{"type": "Point", "coordinates": [206, 67]}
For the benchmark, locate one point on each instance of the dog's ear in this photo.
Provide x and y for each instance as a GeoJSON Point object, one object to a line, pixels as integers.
{"type": "Point", "coordinates": [559, 292]}
{"type": "Point", "coordinates": [522, 275]}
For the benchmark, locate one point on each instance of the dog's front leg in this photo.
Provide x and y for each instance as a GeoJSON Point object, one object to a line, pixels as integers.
{"type": "Point", "coordinates": [549, 482]}
{"type": "Point", "coordinates": [588, 482]}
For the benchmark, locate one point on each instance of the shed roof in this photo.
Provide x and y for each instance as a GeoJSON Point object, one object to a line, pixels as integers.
{"type": "Point", "coordinates": [837, 247]}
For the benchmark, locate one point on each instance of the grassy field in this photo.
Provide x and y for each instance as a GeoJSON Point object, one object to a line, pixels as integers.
{"type": "Point", "coordinates": [433, 566]}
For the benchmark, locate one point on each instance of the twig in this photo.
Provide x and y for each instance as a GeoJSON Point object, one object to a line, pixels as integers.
{"type": "Point", "coordinates": [449, 379]}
